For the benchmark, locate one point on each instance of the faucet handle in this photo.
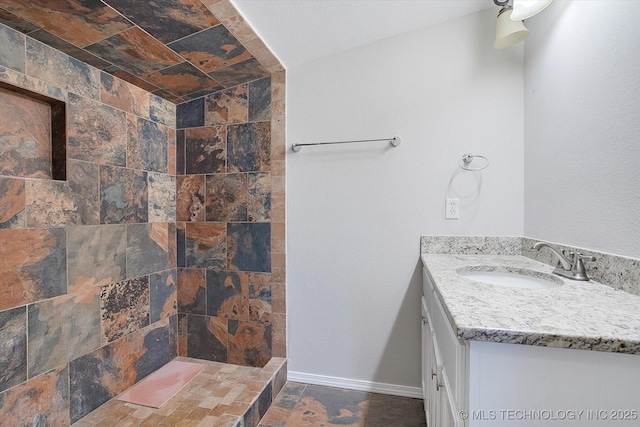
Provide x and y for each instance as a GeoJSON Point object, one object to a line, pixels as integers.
{"type": "Point", "coordinates": [578, 266]}
{"type": "Point", "coordinates": [586, 257]}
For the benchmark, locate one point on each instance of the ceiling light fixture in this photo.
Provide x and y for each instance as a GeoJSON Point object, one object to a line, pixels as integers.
{"type": "Point", "coordinates": [508, 30]}
{"type": "Point", "coordinates": [525, 9]}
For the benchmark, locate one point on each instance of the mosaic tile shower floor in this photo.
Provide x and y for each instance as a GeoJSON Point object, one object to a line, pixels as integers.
{"type": "Point", "coordinates": [222, 395]}
{"type": "Point", "coordinates": [225, 395]}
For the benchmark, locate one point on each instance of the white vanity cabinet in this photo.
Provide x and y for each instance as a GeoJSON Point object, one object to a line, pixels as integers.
{"type": "Point", "coordinates": [443, 357]}
{"type": "Point", "coordinates": [480, 383]}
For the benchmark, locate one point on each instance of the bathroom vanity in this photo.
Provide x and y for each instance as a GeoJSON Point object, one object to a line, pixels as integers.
{"type": "Point", "coordinates": [565, 353]}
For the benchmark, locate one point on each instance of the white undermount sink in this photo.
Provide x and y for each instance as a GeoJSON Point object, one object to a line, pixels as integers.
{"type": "Point", "coordinates": [510, 277]}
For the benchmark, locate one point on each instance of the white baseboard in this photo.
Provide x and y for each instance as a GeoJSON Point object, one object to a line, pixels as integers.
{"type": "Point", "coordinates": [382, 388]}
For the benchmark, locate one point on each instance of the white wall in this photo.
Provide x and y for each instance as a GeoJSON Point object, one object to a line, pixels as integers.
{"type": "Point", "coordinates": [355, 213]}
{"type": "Point", "coordinates": [582, 109]}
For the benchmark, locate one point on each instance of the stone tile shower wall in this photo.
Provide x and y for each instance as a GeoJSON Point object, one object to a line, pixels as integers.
{"type": "Point", "coordinates": [230, 213]}
{"type": "Point", "coordinates": [88, 280]}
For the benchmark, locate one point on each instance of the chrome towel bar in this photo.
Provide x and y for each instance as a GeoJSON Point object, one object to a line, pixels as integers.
{"type": "Point", "coordinates": [395, 141]}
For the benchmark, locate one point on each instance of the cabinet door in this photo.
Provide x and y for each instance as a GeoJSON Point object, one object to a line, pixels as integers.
{"type": "Point", "coordinates": [447, 417]}
{"type": "Point", "coordinates": [435, 375]}
{"type": "Point", "coordinates": [452, 352]}
{"type": "Point", "coordinates": [443, 410]}
{"type": "Point", "coordinates": [427, 350]}
{"type": "Point", "coordinates": [447, 411]}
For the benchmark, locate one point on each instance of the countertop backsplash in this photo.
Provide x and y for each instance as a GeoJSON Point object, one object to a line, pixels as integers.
{"type": "Point", "coordinates": [617, 271]}
{"type": "Point", "coordinates": [471, 245]}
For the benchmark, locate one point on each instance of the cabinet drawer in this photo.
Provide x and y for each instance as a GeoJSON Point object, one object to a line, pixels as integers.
{"type": "Point", "coordinates": [428, 289]}
{"type": "Point", "coordinates": [452, 352]}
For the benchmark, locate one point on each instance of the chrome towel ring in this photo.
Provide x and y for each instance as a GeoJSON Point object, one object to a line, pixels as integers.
{"type": "Point", "coordinates": [466, 160]}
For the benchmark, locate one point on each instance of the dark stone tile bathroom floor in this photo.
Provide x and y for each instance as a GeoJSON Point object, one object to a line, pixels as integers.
{"type": "Point", "coordinates": [300, 405]}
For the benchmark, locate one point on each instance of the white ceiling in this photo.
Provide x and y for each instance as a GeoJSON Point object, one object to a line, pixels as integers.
{"type": "Point", "coordinates": [298, 31]}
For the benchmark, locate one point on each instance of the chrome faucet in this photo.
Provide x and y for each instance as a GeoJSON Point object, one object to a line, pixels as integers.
{"type": "Point", "coordinates": [572, 267]}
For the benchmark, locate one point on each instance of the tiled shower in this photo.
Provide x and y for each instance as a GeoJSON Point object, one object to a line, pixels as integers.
{"type": "Point", "coordinates": [154, 231]}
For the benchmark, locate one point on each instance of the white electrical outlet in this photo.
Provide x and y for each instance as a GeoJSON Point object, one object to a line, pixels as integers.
{"type": "Point", "coordinates": [452, 209]}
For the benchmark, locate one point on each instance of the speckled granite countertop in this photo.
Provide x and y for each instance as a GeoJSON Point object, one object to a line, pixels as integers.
{"type": "Point", "coordinates": [578, 315]}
